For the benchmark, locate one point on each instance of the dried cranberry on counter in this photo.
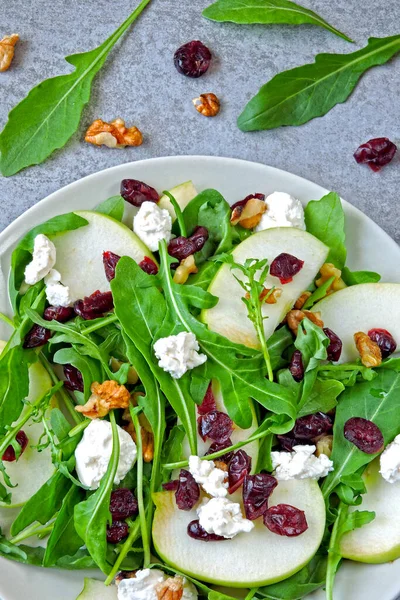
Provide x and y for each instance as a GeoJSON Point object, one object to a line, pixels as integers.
{"type": "Point", "coordinates": [284, 519]}
{"type": "Point", "coordinates": [364, 434]}
{"type": "Point", "coordinates": [312, 426]}
{"type": "Point", "coordinates": [197, 532]}
{"type": "Point", "coordinates": [110, 261]}
{"type": "Point", "coordinates": [245, 200]}
{"type": "Point", "coordinates": [192, 59]}
{"type": "Point", "coordinates": [208, 404]}
{"type": "Point", "coordinates": [188, 492]}
{"type": "Point", "coordinates": [217, 446]}
{"type": "Point", "coordinates": [9, 453]}
{"type": "Point", "coordinates": [117, 531]}
{"type": "Point", "coordinates": [37, 336]}
{"type": "Point", "coordinates": [296, 366]}
{"type": "Point", "coordinates": [239, 467]}
{"type": "Point", "coordinates": [148, 266]}
{"type": "Point", "coordinates": [385, 341]}
{"type": "Point", "coordinates": [334, 350]}
{"type": "Point", "coordinates": [94, 306]}
{"type": "Point", "coordinates": [123, 504]}
{"type": "Point", "coordinates": [62, 314]}
{"type": "Point", "coordinates": [73, 379]}
{"type": "Point", "coordinates": [376, 153]}
{"type": "Point", "coordinates": [215, 425]}
{"type": "Point", "coordinates": [256, 491]}
{"type": "Point", "coordinates": [136, 192]}
{"type": "Point", "coordinates": [285, 267]}
{"type": "Point", "coordinates": [181, 247]}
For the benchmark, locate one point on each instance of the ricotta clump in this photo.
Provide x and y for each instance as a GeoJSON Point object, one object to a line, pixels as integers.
{"type": "Point", "coordinates": [301, 464]}
{"type": "Point", "coordinates": [390, 461]}
{"type": "Point", "coordinates": [212, 480]}
{"type": "Point", "coordinates": [223, 517]}
{"type": "Point", "coordinates": [282, 211]}
{"type": "Point", "coordinates": [152, 224]}
{"type": "Point", "coordinates": [43, 260]}
{"type": "Point", "coordinates": [178, 353]}
{"type": "Point", "coordinates": [57, 294]}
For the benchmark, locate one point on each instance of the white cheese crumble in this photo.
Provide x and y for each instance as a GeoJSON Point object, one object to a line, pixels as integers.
{"type": "Point", "coordinates": [57, 294]}
{"type": "Point", "coordinates": [212, 479]}
{"type": "Point", "coordinates": [144, 586]}
{"type": "Point", "coordinates": [223, 517]}
{"type": "Point", "coordinates": [178, 353]}
{"type": "Point", "coordinates": [152, 224]}
{"type": "Point", "coordinates": [94, 451]}
{"type": "Point", "coordinates": [282, 211]}
{"type": "Point", "coordinates": [300, 464]}
{"type": "Point", "coordinates": [43, 259]}
{"type": "Point", "coordinates": [390, 461]}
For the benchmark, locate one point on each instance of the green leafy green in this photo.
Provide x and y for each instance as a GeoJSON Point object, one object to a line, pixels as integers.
{"type": "Point", "coordinates": [301, 94]}
{"type": "Point", "coordinates": [266, 12]}
{"type": "Point", "coordinates": [112, 207]}
{"type": "Point", "coordinates": [172, 451]}
{"type": "Point", "coordinates": [89, 367]}
{"type": "Point", "coordinates": [14, 384]}
{"type": "Point", "coordinates": [356, 277]}
{"type": "Point", "coordinates": [307, 580]}
{"type": "Point", "coordinates": [325, 220]}
{"type": "Point", "coordinates": [312, 342]}
{"type": "Point", "coordinates": [322, 397]}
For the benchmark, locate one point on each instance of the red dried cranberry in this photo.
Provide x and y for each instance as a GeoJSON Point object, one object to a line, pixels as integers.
{"type": "Point", "coordinates": [287, 441]}
{"type": "Point", "coordinates": [171, 486]}
{"type": "Point", "coordinates": [73, 379]}
{"type": "Point", "coordinates": [287, 520]}
{"type": "Point", "coordinates": [296, 366]}
{"type": "Point", "coordinates": [110, 261]}
{"type": "Point", "coordinates": [123, 504]}
{"type": "Point", "coordinates": [245, 200]}
{"type": "Point", "coordinates": [62, 314]}
{"type": "Point", "coordinates": [285, 267]}
{"type": "Point", "coordinates": [376, 153]}
{"type": "Point", "coordinates": [37, 336]}
{"type": "Point", "coordinates": [148, 266]}
{"type": "Point", "coordinates": [334, 350]}
{"type": "Point", "coordinates": [136, 192]}
{"type": "Point", "coordinates": [9, 454]}
{"type": "Point", "coordinates": [216, 447]}
{"type": "Point", "coordinates": [256, 491]}
{"type": "Point", "coordinates": [364, 434]}
{"type": "Point", "coordinates": [181, 247]}
{"type": "Point", "coordinates": [385, 341]}
{"type": "Point", "coordinates": [192, 59]}
{"type": "Point", "coordinates": [312, 426]}
{"type": "Point", "coordinates": [208, 404]}
{"type": "Point", "coordinates": [239, 467]}
{"type": "Point", "coordinates": [199, 238]}
{"type": "Point", "coordinates": [94, 306]}
{"type": "Point", "coordinates": [215, 425]}
{"type": "Point", "coordinates": [117, 531]}
{"type": "Point", "coordinates": [188, 492]}
{"type": "Point", "coordinates": [197, 532]}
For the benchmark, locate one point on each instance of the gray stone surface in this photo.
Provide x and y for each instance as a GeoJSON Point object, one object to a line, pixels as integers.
{"type": "Point", "coordinates": [140, 84]}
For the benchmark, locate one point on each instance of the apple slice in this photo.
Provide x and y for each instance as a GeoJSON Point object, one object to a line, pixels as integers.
{"type": "Point", "coordinates": [249, 559]}
{"type": "Point", "coordinates": [229, 316]}
{"type": "Point", "coordinates": [378, 541]}
{"type": "Point", "coordinates": [80, 252]}
{"type": "Point", "coordinates": [94, 589]}
{"type": "Point", "coordinates": [360, 308]}
{"type": "Point", "coordinates": [183, 194]}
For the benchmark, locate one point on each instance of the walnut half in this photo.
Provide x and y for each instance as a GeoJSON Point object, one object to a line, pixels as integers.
{"type": "Point", "coordinates": [249, 215]}
{"type": "Point", "coordinates": [369, 351]}
{"type": "Point", "coordinates": [105, 397]}
{"type": "Point", "coordinates": [170, 589]}
{"type": "Point", "coordinates": [113, 135]}
{"type": "Point", "coordinates": [294, 318]}
{"type": "Point", "coordinates": [207, 105]}
{"type": "Point", "coordinates": [7, 49]}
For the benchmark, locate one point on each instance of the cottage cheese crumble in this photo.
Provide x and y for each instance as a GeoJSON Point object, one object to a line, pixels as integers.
{"type": "Point", "coordinates": [178, 353]}
{"type": "Point", "coordinates": [300, 464]}
{"type": "Point", "coordinates": [390, 461]}
{"type": "Point", "coordinates": [223, 517]}
{"type": "Point", "coordinates": [144, 586]}
{"type": "Point", "coordinates": [57, 294]}
{"type": "Point", "coordinates": [282, 211]}
{"type": "Point", "coordinates": [152, 224]}
{"type": "Point", "coordinates": [212, 479]}
{"type": "Point", "coordinates": [43, 259]}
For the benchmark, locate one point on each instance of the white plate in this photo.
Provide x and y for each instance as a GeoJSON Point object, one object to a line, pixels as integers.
{"type": "Point", "coordinates": [369, 247]}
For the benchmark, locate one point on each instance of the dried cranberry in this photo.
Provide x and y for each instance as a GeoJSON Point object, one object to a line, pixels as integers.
{"type": "Point", "coordinates": [296, 366]}
{"type": "Point", "coordinates": [215, 425]}
{"type": "Point", "coordinates": [364, 434]}
{"type": "Point", "coordinates": [216, 447]}
{"type": "Point", "coordinates": [192, 59]}
{"type": "Point", "coordinates": [287, 520]}
{"type": "Point", "coordinates": [123, 504]}
{"type": "Point", "coordinates": [37, 336]}
{"type": "Point", "coordinates": [136, 192]}
{"type": "Point", "coordinates": [256, 491]}
{"type": "Point", "coordinates": [188, 492]}
{"type": "Point", "coordinates": [239, 467]}
{"type": "Point", "coordinates": [171, 486]}
{"type": "Point", "coordinates": [312, 426]}
{"type": "Point", "coordinates": [285, 267]}
{"type": "Point", "coordinates": [245, 200]}
{"type": "Point", "coordinates": [376, 153]}
{"type": "Point", "coordinates": [94, 306]}
{"type": "Point", "coordinates": [199, 238]}
{"type": "Point", "coordinates": [287, 441]}
{"type": "Point", "coordinates": [62, 314]}
{"type": "Point", "coordinates": [181, 247]}
{"type": "Point", "coordinates": [208, 404]}
{"type": "Point", "coordinates": [73, 379]}
{"type": "Point", "coordinates": [148, 266]}
{"type": "Point", "coordinates": [334, 350]}
{"type": "Point", "coordinates": [197, 532]}
{"type": "Point", "coordinates": [385, 341]}
{"type": "Point", "coordinates": [110, 261]}
{"type": "Point", "coordinates": [117, 531]}
{"type": "Point", "coordinates": [9, 454]}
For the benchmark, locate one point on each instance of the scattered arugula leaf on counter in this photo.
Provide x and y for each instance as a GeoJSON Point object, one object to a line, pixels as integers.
{"type": "Point", "coordinates": [49, 115]}
{"type": "Point", "coordinates": [266, 12]}
{"type": "Point", "coordinates": [298, 95]}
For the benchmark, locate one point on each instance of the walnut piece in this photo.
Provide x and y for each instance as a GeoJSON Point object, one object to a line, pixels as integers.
{"type": "Point", "coordinates": [327, 271]}
{"type": "Point", "coordinates": [369, 351]}
{"type": "Point", "coordinates": [294, 318]}
{"type": "Point", "coordinates": [186, 267]}
{"type": "Point", "coordinates": [170, 589]}
{"type": "Point", "coordinates": [324, 445]}
{"type": "Point", "coordinates": [207, 105]}
{"type": "Point", "coordinates": [113, 135]}
{"type": "Point", "coordinates": [115, 366]}
{"type": "Point", "coordinates": [220, 464]}
{"type": "Point", "coordinates": [301, 300]}
{"type": "Point", "coordinates": [105, 397]}
{"type": "Point", "coordinates": [7, 49]}
{"type": "Point", "coordinates": [145, 430]}
{"type": "Point", "coordinates": [272, 298]}
{"type": "Point", "coordinates": [249, 215]}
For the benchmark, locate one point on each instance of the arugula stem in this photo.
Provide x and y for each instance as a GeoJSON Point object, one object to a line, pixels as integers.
{"type": "Point", "coordinates": [251, 593]}
{"type": "Point", "coordinates": [34, 529]}
{"type": "Point", "coordinates": [66, 398]}
{"type": "Point", "coordinates": [319, 293]}
{"type": "Point", "coordinates": [78, 428]}
{"type": "Point", "coordinates": [110, 319]}
{"type": "Point", "coordinates": [334, 557]}
{"type": "Point", "coordinates": [132, 537]}
{"type": "Point", "coordinates": [178, 213]}
{"type": "Point", "coordinates": [4, 318]}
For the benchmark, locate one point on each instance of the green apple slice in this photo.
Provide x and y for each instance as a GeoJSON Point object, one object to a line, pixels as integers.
{"type": "Point", "coordinates": [229, 316]}
{"type": "Point", "coordinates": [80, 252]}
{"type": "Point", "coordinates": [183, 194]}
{"type": "Point", "coordinates": [249, 559]}
{"type": "Point", "coordinates": [378, 541]}
{"type": "Point", "coordinates": [360, 308]}
{"type": "Point", "coordinates": [94, 589]}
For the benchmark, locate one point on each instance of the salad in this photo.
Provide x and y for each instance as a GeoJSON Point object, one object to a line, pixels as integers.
{"type": "Point", "coordinates": [197, 394]}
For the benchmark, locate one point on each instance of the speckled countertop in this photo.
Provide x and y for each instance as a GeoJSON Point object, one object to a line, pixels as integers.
{"type": "Point", "coordinates": [140, 84]}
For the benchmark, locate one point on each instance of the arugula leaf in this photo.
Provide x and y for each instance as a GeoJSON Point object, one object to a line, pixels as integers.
{"type": "Point", "coordinates": [348, 373]}
{"type": "Point", "coordinates": [11, 550]}
{"type": "Point", "coordinates": [172, 451]}
{"type": "Point", "coordinates": [301, 94]}
{"type": "Point", "coordinates": [309, 579]}
{"type": "Point", "coordinates": [322, 397]}
{"type": "Point", "coordinates": [266, 12]}
{"type": "Point", "coordinates": [279, 341]}
{"type": "Point", "coordinates": [325, 220]}
{"type": "Point", "coordinates": [46, 119]}
{"type": "Point", "coordinates": [112, 207]}
{"type": "Point", "coordinates": [356, 277]}
{"type": "Point", "coordinates": [89, 367]}
{"type": "Point", "coordinates": [14, 384]}
{"type": "Point", "coordinates": [312, 343]}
